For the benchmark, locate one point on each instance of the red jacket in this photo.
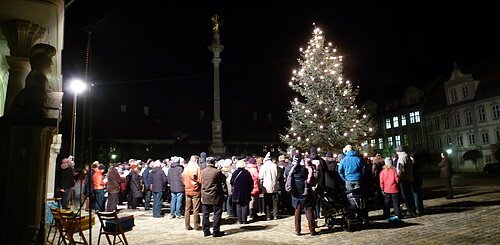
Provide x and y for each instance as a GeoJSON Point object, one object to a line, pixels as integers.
{"type": "Point", "coordinates": [254, 171]}
{"type": "Point", "coordinates": [389, 180]}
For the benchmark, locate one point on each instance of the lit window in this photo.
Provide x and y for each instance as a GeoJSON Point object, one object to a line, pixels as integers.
{"type": "Point", "coordinates": [372, 142]}
{"type": "Point", "coordinates": [380, 143]}
{"type": "Point", "coordinates": [481, 114]}
{"type": "Point", "coordinates": [398, 140]}
{"type": "Point", "coordinates": [389, 141]}
{"type": "Point", "coordinates": [495, 111]}
{"type": "Point", "coordinates": [395, 122]}
{"type": "Point", "coordinates": [412, 117]}
{"type": "Point", "coordinates": [387, 123]}
{"type": "Point", "coordinates": [403, 120]}
{"type": "Point", "coordinates": [472, 139]}
{"type": "Point", "coordinates": [460, 141]}
{"type": "Point", "coordinates": [465, 92]}
{"type": "Point", "coordinates": [468, 117]}
{"type": "Point", "coordinates": [450, 142]}
{"type": "Point", "coordinates": [486, 137]}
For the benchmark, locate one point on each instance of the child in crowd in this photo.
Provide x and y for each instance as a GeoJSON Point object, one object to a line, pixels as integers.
{"type": "Point", "coordinates": [389, 186]}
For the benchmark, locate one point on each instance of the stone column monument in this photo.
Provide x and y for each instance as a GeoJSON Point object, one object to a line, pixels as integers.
{"type": "Point", "coordinates": [27, 134]}
{"type": "Point", "coordinates": [217, 147]}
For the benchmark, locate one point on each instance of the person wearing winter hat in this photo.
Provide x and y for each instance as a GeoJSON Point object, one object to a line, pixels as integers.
{"type": "Point", "coordinates": [113, 187]}
{"type": "Point", "coordinates": [242, 183]}
{"type": "Point", "coordinates": [158, 181]}
{"type": "Point", "coordinates": [389, 186]}
{"type": "Point", "coordinates": [134, 186]}
{"type": "Point", "coordinates": [254, 171]}
{"type": "Point", "coordinates": [213, 190]}
{"type": "Point", "coordinates": [301, 201]}
{"type": "Point", "coordinates": [268, 176]}
{"type": "Point", "coordinates": [350, 169]}
{"type": "Point", "coordinates": [267, 157]}
{"type": "Point", "coordinates": [404, 168]}
{"type": "Point", "coordinates": [66, 181]}
{"type": "Point", "coordinates": [174, 179]}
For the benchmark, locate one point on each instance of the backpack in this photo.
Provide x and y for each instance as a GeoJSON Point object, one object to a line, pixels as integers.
{"type": "Point", "coordinates": [288, 182]}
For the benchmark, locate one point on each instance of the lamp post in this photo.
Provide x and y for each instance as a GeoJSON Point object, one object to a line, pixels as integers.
{"type": "Point", "coordinates": [77, 86]}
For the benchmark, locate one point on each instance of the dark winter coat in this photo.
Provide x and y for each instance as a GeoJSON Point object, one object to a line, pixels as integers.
{"type": "Point", "coordinates": [328, 177]}
{"type": "Point", "coordinates": [134, 184]}
{"type": "Point", "coordinates": [66, 178]}
{"type": "Point", "coordinates": [445, 167]}
{"type": "Point", "coordinates": [174, 177]}
{"type": "Point", "coordinates": [299, 177]}
{"type": "Point", "coordinates": [114, 181]}
{"type": "Point", "coordinates": [158, 180]}
{"type": "Point", "coordinates": [213, 186]}
{"type": "Point", "coordinates": [242, 183]}
{"type": "Point", "coordinates": [145, 178]}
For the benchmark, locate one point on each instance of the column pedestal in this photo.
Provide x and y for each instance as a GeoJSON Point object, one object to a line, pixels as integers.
{"type": "Point", "coordinates": [24, 185]}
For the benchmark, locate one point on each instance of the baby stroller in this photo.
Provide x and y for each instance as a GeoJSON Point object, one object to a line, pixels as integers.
{"type": "Point", "coordinates": [346, 210]}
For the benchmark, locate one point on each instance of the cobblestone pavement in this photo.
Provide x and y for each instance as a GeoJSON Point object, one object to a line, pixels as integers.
{"type": "Point", "coordinates": [472, 217]}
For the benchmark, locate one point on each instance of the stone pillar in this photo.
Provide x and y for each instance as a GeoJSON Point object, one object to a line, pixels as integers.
{"type": "Point", "coordinates": [21, 36]}
{"type": "Point", "coordinates": [217, 147]}
{"type": "Point", "coordinates": [55, 149]}
{"type": "Point", "coordinates": [27, 133]}
{"type": "Point", "coordinates": [27, 155]}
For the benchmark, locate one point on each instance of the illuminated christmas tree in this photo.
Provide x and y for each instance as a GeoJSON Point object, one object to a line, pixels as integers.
{"type": "Point", "coordinates": [325, 114]}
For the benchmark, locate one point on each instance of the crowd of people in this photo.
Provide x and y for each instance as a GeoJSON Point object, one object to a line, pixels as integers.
{"type": "Point", "coordinates": [245, 186]}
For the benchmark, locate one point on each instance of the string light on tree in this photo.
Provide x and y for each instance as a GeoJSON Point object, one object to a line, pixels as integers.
{"type": "Point", "coordinates": [326, 116]}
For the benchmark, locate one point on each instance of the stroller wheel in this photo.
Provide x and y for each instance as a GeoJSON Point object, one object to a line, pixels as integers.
{"type": "Point", "coordinates": [329, 221]}
{"type": "Point", "coordinates": [347, 225]}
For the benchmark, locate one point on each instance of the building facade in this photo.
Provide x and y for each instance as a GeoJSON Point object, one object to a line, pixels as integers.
{"type": "Point", "coordinates": [459, 115]}
{"type": "Point", "coordinates": [465, 120]}
{"type": "Point", "coordinates": [399, 123]}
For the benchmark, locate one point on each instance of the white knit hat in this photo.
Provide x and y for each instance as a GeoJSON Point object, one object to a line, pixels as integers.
{"type": "Point", "coordinates": [388, 161]}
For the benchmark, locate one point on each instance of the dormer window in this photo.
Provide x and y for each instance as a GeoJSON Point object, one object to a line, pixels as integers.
{"type": "Point", "coordinates": [465, 92]}
{"type": "Point", "coordinates": [453, 95]}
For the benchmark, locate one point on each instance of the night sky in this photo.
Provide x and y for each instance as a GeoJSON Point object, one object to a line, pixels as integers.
{"type": "Point", "coordinates": [155, 52]}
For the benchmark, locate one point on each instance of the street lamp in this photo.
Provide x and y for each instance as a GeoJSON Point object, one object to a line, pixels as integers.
{"type": "Point", "coordinates": [77, 86]}
{"type": "Point", "coordinates": [449, 151]}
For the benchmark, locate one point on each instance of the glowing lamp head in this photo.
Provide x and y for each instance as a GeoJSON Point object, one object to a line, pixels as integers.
{"type": "Point", "coordinates": [77, 86]}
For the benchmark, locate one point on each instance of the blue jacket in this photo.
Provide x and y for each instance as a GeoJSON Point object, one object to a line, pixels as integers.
{"type": "Point", "coordinates": [145, 178]}
{"type": "Point", "coordinates": [350, 167]}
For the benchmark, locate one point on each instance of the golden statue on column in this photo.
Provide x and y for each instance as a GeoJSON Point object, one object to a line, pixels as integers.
{"type": "Point", "coordinates": [216, 23]}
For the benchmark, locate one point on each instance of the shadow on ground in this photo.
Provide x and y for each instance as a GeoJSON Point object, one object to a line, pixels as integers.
{"type": "Point", "coordinates": [370, 226]}
{"type": "Point", "coordinates": [244, 228]}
